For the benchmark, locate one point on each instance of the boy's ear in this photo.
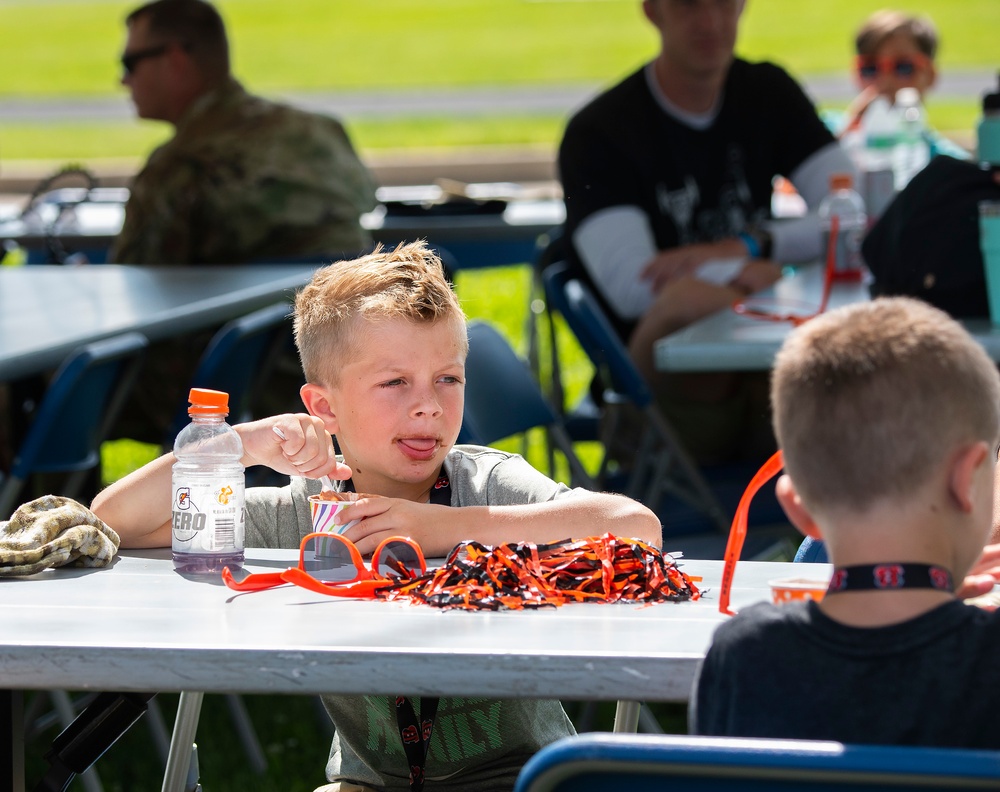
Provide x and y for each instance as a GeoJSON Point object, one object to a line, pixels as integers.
{"type": "Point", "coordinates": [795, 510]}
{"type": "Point", "coordinates": [962, 480]}
{"type": "Point", "coordinates": [317, 402]}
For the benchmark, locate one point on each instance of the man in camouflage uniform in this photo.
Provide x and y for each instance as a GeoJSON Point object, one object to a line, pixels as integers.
{"type": "Point", "coordinates": [243, 179]}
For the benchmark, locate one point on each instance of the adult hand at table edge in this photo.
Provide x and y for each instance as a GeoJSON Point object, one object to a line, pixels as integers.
{"type": "Point", "coordinates": [668, 265]}
{"type": "Point", "coordinates": [984, 573]}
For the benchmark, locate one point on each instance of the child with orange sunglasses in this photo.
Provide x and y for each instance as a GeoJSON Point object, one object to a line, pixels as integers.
{"type": "Point", "coordinates": [894, 50]}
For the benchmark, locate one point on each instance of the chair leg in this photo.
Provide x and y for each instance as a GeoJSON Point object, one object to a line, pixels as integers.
{"type": "Point", "coordinates": [67, 714]}
{"type": "Point", "coordinates": [247, 735]}
{"type": "Point", "coordinates": [647, 720]}
{"type": "Point", "coordinates": [158, 730]}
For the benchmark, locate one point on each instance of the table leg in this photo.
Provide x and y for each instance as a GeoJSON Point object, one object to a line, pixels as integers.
{"type": "Point", "coordinates": [12, 749]}
{"type": "Point", "coordinates": [185, 727]}
{"type": "Point", "coordinates": [627, 717]}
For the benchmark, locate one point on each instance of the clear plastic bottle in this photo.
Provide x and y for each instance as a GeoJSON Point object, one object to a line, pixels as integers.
{"type": "Point", "coordinates": [844, 203]}
{"type": "Point", "coordinates": [913, 152]}
{"type": "Point", "coordinates": [208, 488]}
{"type": "Point", "coordinates": [880, 129]}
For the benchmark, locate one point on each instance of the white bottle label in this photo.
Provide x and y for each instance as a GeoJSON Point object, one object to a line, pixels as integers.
{"type": "Point", "coordinates": [208, 516]}
{"type": "Point", "coordinates": [848, 248]}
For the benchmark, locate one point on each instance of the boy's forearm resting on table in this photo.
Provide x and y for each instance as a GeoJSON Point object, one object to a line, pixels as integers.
{"type": "Point", "coordinates": [590, 514]}
{"type": "Point", "coordinates": [439, 528]}
{"type": "Point", "coordinates": [138, 506]}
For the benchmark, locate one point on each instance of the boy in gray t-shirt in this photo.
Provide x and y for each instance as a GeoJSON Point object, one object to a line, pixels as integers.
{"type": "Point", "coordinates": [383, 344]}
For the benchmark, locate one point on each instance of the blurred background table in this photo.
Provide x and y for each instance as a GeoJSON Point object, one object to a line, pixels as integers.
{"type": "Point", "coordinates": [48, 311]}
{"type": "Point", "coordinates": [726, 341]}
{"type": "Point", "coordinates": [487, 225]}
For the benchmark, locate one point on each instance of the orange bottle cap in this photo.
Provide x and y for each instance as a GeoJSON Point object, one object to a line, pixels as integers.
{"type": "Point", "coordinates": [205, 402]}
{"type": "Point", "coordinates": [841, 181]}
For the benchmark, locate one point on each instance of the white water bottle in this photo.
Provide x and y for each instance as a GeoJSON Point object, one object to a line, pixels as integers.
{"type": "Point", "coordinates": [912, 153]}
{"type": "Point", "coordinates": [844, 203]}
{"type": "Point", "coordinates": [208, 488]}
{"type": "Point", "coordinates": [880, 131]}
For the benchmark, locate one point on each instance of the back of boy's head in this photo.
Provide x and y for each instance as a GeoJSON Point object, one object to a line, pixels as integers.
{"type": "Point", "coordinates": [884, 24]}
{"type": "Point", "coordinates": [870, 399]}
{"type": "Point", "coordinates": [405, 283]}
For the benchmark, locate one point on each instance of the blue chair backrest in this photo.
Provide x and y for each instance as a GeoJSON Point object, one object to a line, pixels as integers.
{"type": "Point", "coordinates": [233, 359]}
{"type": "Point", "coordinates": [79, 403]}
{"type": "Point", "coordinates": [588, 322]}
{"type": "Point", "coordinates": [501, 396]}
{"type": "Point", "coordinates": [637, 763]}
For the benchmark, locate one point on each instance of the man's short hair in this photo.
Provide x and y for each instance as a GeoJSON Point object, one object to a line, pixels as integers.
{"type": "Point", "coordinates": [884, 24]}
{"type": "Point", "coordinates": [198, 27]}
{"type": "Point", "coordinates": [406, 283]}
{"type": "Point", "coordinates": [869, 399]}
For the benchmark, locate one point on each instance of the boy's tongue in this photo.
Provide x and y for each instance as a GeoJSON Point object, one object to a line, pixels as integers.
{"type": "Point", "coordinates": [418, 446]}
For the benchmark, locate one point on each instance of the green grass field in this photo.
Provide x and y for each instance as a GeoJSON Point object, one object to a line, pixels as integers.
{"type": "Point", "coordinates": [70, 47]}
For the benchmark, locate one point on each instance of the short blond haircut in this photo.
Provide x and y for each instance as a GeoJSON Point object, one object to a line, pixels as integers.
{"type": "Point", "coordinates": [870, 399]}
{"type": "Point", "coordinates": [884, 24]}
{"type": "Point", "coordinates": [406, 283]}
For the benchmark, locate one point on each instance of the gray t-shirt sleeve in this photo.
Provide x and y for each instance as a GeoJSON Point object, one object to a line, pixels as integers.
{"type": "Point", "coordinates": [488, 477]}
{"type": "Point", "coordinates": [279, 516]}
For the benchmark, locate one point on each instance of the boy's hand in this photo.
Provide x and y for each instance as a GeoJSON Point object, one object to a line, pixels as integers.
{"type": "Point", "coordinates": [381, 518]}
{"type": "Point", "coordinates": [984, 573]}
{"type": "Point", "coordinates": [296, 445]}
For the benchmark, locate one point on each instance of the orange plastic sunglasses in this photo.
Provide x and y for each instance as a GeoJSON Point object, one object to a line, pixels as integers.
{"type": "Point", "coordinates": [904, 67]}
{"type": "Point", "coordinates": [332, 564]}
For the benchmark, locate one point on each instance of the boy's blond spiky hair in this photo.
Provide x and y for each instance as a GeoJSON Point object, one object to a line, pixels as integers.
{"type": "Point", "coordinates": [405, 283]}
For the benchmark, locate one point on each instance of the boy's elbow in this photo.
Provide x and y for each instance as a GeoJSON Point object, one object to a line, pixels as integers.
{"type": "Point", "coordinates": [631, 519]}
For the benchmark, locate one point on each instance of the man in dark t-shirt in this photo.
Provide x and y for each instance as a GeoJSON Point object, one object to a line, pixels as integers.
{"type": "Point", "coordinates": [671, 170]}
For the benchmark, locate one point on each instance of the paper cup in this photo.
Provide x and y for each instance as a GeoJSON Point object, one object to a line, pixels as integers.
{"type": "Point", "coordinates": [796, 590]}
{"type": "Point", "coordinates": [323, 512]}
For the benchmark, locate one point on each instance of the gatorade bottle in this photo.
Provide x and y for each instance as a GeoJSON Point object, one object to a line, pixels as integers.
{"type": "Point", "coordinates": [208, 484]}
{"type": "Point", "coordinates": [847, 206]}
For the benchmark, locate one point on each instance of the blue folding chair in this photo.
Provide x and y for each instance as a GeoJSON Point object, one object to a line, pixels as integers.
{"type": "Point", "coordinates": [662, 465]}
{"type": "Point", "coordinates": [238, 360]}
{"type": "Point", "coordinates": [503, 399]}
{"type": "Point", "coordinates": [651, 763]}
{"type": "Point", "coordinates": [74, 416]}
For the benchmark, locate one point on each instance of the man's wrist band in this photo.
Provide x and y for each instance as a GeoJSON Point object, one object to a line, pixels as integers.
{"type": "Point", "coordinates": [753, 248]}
{"type": "Point", "coordinates": [759, 243]}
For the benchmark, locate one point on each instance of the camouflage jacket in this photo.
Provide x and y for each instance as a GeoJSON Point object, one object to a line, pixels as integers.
{"type": "Point", "coordinates": [246, 179]}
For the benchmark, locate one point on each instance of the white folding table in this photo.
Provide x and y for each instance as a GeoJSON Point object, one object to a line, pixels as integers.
{"type": "Point", "coordinates": [140, 626]}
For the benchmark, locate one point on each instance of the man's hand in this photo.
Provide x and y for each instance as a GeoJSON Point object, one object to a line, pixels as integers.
{"type": "Point", "coordinates": [756, 275]}
{"type": "Point", "coordinates": [669, 265]}
{"type": "Point", "coordinates": [984, 573]}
